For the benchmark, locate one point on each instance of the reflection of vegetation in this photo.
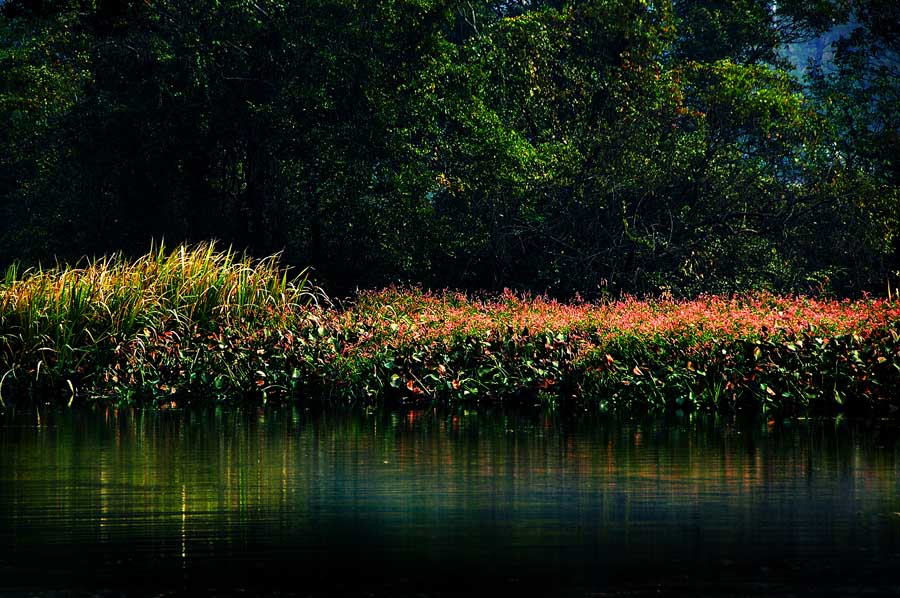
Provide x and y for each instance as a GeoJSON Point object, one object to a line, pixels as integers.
{"type": "Point", "coordinates": [409, 491]}
{"type": "Point", "coordinates": [180, 479]}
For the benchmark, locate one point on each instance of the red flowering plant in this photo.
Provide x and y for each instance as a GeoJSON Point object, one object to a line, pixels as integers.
{"type": "Point", "coordinates": [713, 352]}
{"type": "Point", "coordinates": [776, 352]}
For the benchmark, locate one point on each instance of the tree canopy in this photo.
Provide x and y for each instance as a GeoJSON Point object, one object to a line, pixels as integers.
{"type": "Point", "coordinates": [587, 147]}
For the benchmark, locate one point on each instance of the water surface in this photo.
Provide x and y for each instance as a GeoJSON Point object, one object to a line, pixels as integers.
{"type": "Point", "coordinates": [436, 502]}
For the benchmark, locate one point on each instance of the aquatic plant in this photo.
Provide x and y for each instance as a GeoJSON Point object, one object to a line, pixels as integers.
{"type": "Point", "coordinates": [711, 352]}
{"type": "Point", "coordinates": [195, 324]}
{"type": "Point", "coordinates": [59, 324]}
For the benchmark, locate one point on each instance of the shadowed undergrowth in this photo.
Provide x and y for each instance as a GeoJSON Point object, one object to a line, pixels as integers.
{"type": "Point", "coordinates": [199, 325]}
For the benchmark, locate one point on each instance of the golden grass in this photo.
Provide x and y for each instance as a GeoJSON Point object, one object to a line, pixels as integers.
{"type": "Point", "coordinates": [50, 319]}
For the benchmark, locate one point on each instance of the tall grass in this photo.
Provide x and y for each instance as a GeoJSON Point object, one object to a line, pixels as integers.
{"type": "Point", "coordinates": [54, 321]}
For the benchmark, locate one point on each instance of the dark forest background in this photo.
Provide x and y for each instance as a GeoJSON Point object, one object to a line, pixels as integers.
{"type": "Point", "coordinates": [597, 147]}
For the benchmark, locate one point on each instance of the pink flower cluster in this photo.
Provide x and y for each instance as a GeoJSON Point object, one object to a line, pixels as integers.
{"type": "Point", "coordinates": [395, 317]}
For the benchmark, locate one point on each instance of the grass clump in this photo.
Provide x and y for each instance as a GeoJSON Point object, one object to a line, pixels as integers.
{"type": "Point", "coordinates": [60, 326]}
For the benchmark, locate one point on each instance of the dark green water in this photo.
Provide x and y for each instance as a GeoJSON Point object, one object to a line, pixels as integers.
{"type": "Point", "coordinates": [444, 503]}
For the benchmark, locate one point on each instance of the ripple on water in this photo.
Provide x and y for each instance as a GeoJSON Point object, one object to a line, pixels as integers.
{"type": "Point", "coordinates": [442, 501]}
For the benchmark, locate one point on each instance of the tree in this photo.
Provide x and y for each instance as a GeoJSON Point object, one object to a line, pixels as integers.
{"type": "Point", "coordinates": [593, 147]}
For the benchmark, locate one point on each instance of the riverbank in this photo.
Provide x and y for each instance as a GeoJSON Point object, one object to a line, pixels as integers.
{"type": "Point", "coordinates": [198, 325]}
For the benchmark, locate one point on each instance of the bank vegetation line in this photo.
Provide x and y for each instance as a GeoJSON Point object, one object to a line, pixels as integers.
{"type": "Point", "coordinates": [199, 325]}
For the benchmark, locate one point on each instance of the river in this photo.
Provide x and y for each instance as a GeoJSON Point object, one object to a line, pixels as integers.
{"type": "Point", "coordinates": [437, 502]}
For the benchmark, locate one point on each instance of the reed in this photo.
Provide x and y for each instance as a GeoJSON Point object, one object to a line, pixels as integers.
{"type": "Point", "coordinates": [54, 322]}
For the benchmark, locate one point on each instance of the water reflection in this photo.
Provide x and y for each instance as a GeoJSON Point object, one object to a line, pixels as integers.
{"type": "Point", "coordinates": [444, 501]}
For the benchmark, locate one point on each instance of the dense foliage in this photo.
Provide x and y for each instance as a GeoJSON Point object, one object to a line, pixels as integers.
{"type": "Point", "coordinates": [58, 326]}
{"type": "Point", "coordinates": [195, 325]}
{"type": "Point", "coordinates": [596, 146]}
